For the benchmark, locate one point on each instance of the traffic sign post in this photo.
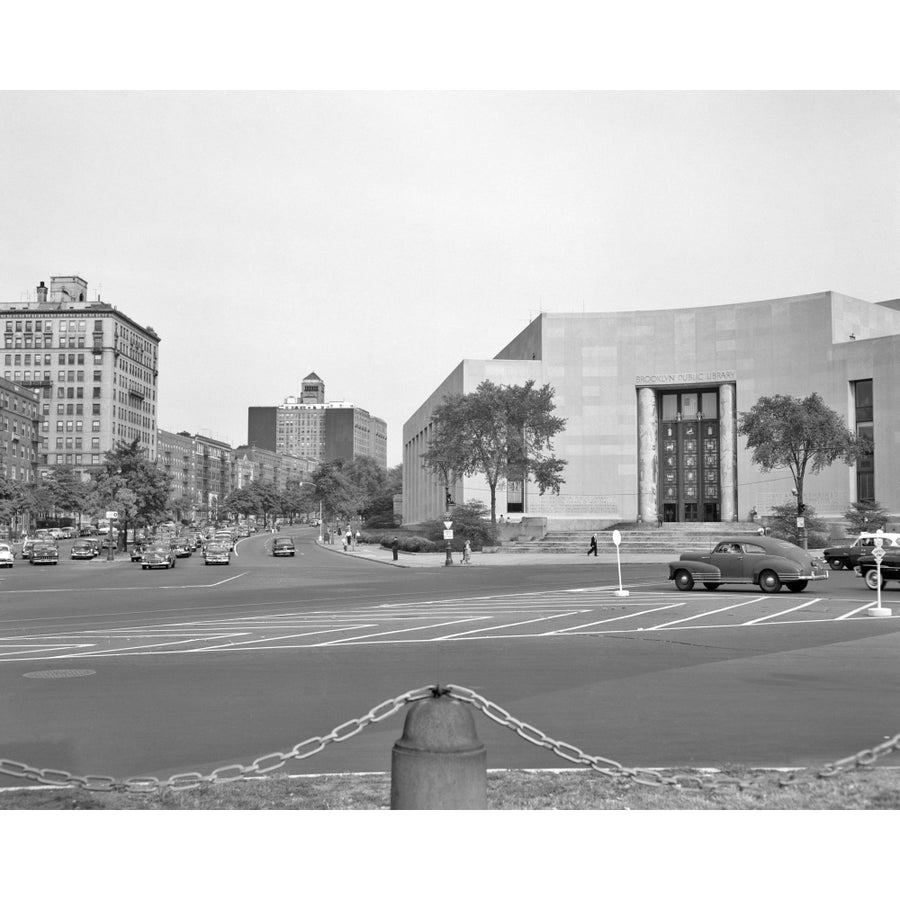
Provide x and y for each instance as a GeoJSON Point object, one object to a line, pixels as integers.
{"type": "Point", "coordinates": [878, 553]}
{"type": "Point", "coordinates": [448, 536]}
{"type": "Point", "coordinates": [617, 539]}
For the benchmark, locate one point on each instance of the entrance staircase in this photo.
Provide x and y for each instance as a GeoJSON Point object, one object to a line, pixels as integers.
{"type": "Point", "coordinates": [670, 538]}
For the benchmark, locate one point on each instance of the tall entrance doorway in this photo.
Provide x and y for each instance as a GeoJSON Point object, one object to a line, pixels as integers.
{"type": "Point", "coordinates": [689, 489]}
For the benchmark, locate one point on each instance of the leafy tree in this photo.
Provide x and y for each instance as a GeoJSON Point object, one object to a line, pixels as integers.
{"type": "Point", "coordinates": [380, 510]}
{"type": "Point", "coordinates": [333, 490]}
{"type": "Point", "coordinates": [133, 486]}
{"type": "Point", "coordinates": [784, 525]}
{"type": "Point", "coordinates": [69, 492]}
{"type": "Point", "coordinates": [469, 524]}
{"type": "Point", "coordinates": [499, 431]}
{"type": "Point", "coordinates": [802, 435]}
{"type": "Point", "coordinates": [866, 515]}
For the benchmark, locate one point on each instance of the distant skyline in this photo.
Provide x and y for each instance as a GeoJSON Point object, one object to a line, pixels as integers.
{"type": "Point", "coordinates": [378, 238]}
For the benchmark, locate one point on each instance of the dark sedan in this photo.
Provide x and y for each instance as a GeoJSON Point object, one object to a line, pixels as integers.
{"type": "Point", "coordinates": [44, 553]}
{"type": "Point", "coordinates": [216, 553]}
{"type": "Point", "coordinates": [744, 559]}
{"type": "Point", "coordinates": [848, 557]}
{"type": "Point", "coordinates": [283, 547]}
{"type": "Point", "coordinates": [158, 557]}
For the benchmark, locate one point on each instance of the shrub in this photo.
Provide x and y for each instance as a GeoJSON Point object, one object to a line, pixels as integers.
{"type": "Point", "coordinates": [410, 543]}
{"type": "Point", "coordinates": [468, 525]}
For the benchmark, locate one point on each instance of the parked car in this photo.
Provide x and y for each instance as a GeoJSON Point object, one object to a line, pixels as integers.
{"type": "Point", "coordinates": [159, 556]}
{"type": "Point", "coordinates": [44, 553]}
{"type": "Point", "coordinates": [890, 569]}
{"type": "Point", "coordinates": [137, 551]}
{"type": "Point", "coordinates": [848, 557]}
{"type": "Point", "coordinates": [216, 553]}
{"type": "Point", "coordinates": [7, 556]}
{"type": "Point", "coordinates": [744, 559]}
{"type": "Point", "coordinates": [84, 549]}
{"type": "Point", "coordinates": [67, 532]}
{"type": "Point", "coordinates": [283, 547]}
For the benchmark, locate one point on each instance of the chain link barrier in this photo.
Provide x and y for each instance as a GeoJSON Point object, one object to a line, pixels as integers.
{"type": "Point", "coordinates": [270, 762]}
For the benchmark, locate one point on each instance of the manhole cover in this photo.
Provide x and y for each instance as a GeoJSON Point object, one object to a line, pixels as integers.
{"type": "Point", "coordinates": [60, 673]}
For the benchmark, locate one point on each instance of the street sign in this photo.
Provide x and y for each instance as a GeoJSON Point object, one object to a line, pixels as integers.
{"type": "Point", "coordinates": [617, 537]}
{"type": "Point", "coordinates": [878, 553]}
{"type": "Point", "coordinates": [448, 524]}
{"type": "Point", "coordinates": [448, 534]}
{"type": "Point", "coordinates": [112, 514]}
{"type": "Point", "coordinates": [801, 522]}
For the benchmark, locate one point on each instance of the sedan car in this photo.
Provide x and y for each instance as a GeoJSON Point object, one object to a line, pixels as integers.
{"type": "Point", "coordinates": [283, 547]}
{"type": "Point", "coordinates": [83, 549]}
{"type": "Point", "coordinates": [216, 553]}
{"type": "Point", "coordinates": [181, 547]}
{"type": "Point", "coordinates": [7, 556]}
{"type": "Point", "coordinates": [745, 559]}
{"type": "Point", "coordinates": [160, 556]}
{"type": "Point", "coordinates": [44, 553]}
{"type": "Point", "coordinates": [27, 547]}
{"type": "Point", "coordinates": [848, 557]}
{"type": "Point", "coordinates": [137, 551]}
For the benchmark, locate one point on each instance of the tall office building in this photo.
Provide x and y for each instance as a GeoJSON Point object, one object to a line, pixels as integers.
{"type": "Point", "coordinates": [307, 426]}
{"type": "Point", "coordinates": [93, 368]}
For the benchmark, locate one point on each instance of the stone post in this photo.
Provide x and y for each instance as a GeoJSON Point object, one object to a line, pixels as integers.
{"type": "Point", "coordinates": [648, 455]}
{"type": "Point", "coordinates": [727, 452]}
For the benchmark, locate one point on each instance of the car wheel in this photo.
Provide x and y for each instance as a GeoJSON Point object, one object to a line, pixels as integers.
{"type": "Point", "coordinates": [797, 586]}
{"type": "Point", "coordinates": [712, 586]}
{"type": "Point", "coordinates": [872, 579]}
{"type": "Point", "coordinates": [835, 564]}
{"type": "Point", "coordinates": [683, 580]}
{"type": "Point", "coordinates": [144, 568]}
{"type": "Point", "coordinates": [769, 582]}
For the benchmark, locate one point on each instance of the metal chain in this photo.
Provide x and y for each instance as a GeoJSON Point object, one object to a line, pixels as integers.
{"type": "Point", "coordinates": [234, 772]}
{"type": "Point", "coordinates": [652, 777]}
{"type": "Point", "coordinates": [263, 765]}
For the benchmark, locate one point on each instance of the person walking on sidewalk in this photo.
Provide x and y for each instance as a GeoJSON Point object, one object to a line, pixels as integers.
{"type": "Point", "coordinates": [593, 548]}
{"type": "Point", "coordinates": [467, 549]}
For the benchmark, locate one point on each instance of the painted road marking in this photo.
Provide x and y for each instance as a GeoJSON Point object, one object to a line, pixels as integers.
{"type": "Point", "coordinates": [642, 612]}
{"type": "Point", "coordinates": [783, 612]}
{"type": "Point", "coordinates": [710, 612]}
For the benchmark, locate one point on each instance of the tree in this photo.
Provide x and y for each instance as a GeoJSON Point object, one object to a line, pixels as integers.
{"type": "Point", "coordinates": [130, 484]}
{"type": "Point", "coordinates": [499, 431]}
{"type": "Point", "coordinates": [67, 489]}
{"type": "Point", "coordinates": [866, 515]}
{"type": "Point", "coordinates": [333, 490]}
{"type": "Point", "coordinates": [802, 435]}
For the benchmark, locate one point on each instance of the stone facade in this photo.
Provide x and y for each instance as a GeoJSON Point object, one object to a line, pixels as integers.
{"type": "Point", "coordinates": [652, 399]}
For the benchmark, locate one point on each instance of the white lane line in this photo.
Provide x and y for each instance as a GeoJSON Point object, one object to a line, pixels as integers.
{"type": "Point", "coordinates": [369, 637]}
{"type": "Point", "coordinates": [858, 609]}
{"type": "Point", "coordinates": [642, 612]}
{"type": "Point", "coordinates": [783, 612]}
{"type": "Point", "coordinates": [273, 638]}
{"type": "Point", "coordinates": [711, 612]}
{"type": "Point", "coordinates": [450, 637]}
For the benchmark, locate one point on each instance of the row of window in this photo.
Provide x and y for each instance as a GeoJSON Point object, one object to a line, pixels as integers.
{"type": "Point", "coordinates": [27, 325]}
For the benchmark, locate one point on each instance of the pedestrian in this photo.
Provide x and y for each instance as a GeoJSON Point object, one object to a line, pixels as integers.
{"type": "Point", "coordinates": [467, 549]}
{"type": "Point", "coordinates": [659, 520]}
{"type": "Point", "coordinates": [395, 545]}
{"type": "Point", "coordinates": [349, 537]}
{"type": "Point", "coordinates": [593, 545]}
{"type": "Point", "coordinates": [357, 538]}
{"type": "Point", "coordinates": [344, 543]}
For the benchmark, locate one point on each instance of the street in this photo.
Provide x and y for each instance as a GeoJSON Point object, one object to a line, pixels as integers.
{"type": "Point", "coordinates": [112, 670]}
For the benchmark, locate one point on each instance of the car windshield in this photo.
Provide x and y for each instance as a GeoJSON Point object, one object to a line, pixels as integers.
{"type": "Point", "coordinates": [217, 546]}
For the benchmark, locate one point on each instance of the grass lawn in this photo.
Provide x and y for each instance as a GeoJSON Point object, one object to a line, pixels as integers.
{"type": "Point", "coordinates": [575, 789]}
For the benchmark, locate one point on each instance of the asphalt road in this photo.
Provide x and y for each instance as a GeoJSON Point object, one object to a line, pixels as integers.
{"type": "Point", "coordinates": [110, 670]}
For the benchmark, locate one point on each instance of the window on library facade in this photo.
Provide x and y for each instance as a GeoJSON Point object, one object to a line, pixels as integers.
{"type": "Point", "coordinates": [865, 465]}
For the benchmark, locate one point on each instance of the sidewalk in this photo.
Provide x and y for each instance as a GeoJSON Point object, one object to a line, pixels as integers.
{"type": "Point", "coordinates": [378, 554]}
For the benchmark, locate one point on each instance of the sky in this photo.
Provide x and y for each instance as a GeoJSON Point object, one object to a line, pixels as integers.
{"type": "Point", "coordinates": [380, 237]}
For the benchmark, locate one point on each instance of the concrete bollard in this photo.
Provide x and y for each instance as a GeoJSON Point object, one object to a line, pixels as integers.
{"type": "Point", "coordinates": [438, 762]}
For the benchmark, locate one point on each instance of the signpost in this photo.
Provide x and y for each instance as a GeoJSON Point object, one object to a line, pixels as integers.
{"type": "Point", "coordinates": [448, 536]}
{"type": "Point", "coordinates": [878, 553]}
{"type": "Point", "coordinates": [617, 539]}
{"type": "Point", "coordinates": [111, 516]}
